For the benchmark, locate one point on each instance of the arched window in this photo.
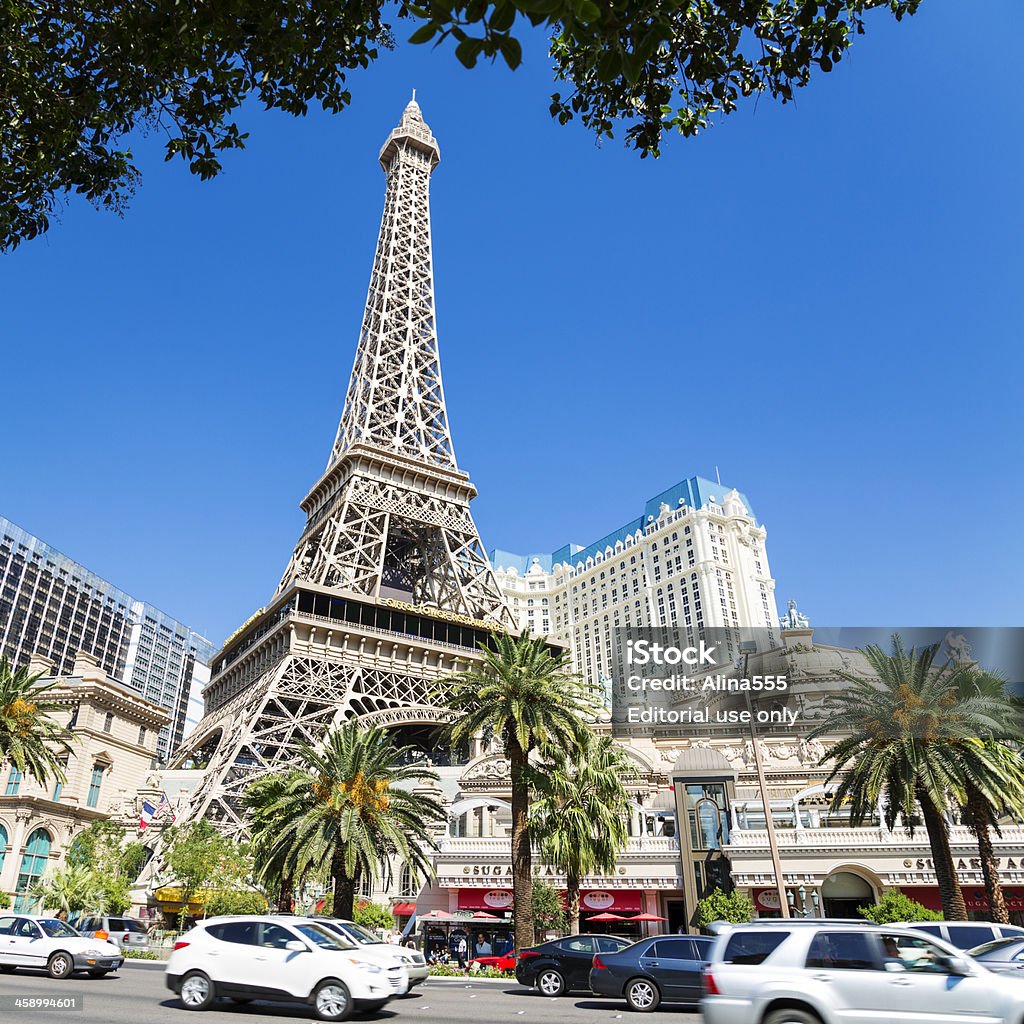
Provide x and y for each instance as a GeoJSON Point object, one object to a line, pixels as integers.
{"type": "Point", "coordinates": [33, 867]}
{"type": "Point", "coordinates": [405, 886]}
{"type": "Point", "coordinates": [4, 839]}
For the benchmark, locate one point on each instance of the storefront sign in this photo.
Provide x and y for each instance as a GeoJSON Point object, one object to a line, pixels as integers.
{"type": "Point", "coordinates": [602, 899]}
{"type": "Point", "coordinates": [768, 899]}
{"type": "Point", "coordinates": [974, 897]}
{"type": "Point", "coordinates": [485, 899]}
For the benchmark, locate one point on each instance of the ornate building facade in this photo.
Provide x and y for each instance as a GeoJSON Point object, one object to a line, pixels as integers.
{"type": "Point", "coordinates": [107, 760]}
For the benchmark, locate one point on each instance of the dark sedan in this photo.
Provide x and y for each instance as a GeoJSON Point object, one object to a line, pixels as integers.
{"type": "Point", "coordinates": [1004, 955]}
{"type": "Point", "coordinates": [561, 965]}
{"type": "Point", "coordinates": [667, 968]}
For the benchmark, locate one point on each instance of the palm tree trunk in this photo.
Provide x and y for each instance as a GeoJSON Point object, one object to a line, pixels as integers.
{"type": "Point", "coordinates": [572, 902]}
{"type": "Point", "coordinates": [977, 808]}
{"type": "Point", "coordinates": [522, 861]}
{"type": "Point", "coordinates": [344, 888]}
{"type": "Point", "coordinates": [953, 906]}
{"type": "Point", "coordinates": [285, 893]}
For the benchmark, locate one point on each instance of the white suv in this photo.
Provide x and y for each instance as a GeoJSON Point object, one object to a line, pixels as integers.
{"type": "Point", "coordinates": [414, 960]}
{"type": "Point", "coordinates": [286, 959]}
{"type": "Point", "coordinates": [821, 972]}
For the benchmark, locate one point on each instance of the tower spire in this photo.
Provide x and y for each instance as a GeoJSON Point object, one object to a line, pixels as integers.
{"type": "Point", "coordinates": [395, 400]}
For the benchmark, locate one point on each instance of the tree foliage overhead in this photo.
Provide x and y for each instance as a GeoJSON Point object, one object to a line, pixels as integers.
{"type": "Point", "coordinates": [78, 77]}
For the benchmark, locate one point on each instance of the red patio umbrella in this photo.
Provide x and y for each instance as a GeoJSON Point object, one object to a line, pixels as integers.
{"type": "Point", "coordinates": [606, 917]}
{"type": "Point", "coordinates": [482, 915]}
{"type": "Point", "coordinates": [647, 917]}
{"type": "Point", "coordinates": [437, 915]}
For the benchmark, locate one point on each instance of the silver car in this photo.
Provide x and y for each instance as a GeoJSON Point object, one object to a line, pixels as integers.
{"type": "Point", "coordinates": [821, 972]}
{"type": "Point", "coordinates": [412, 959]}
{"type": "Point", "coordinates": [1005, 956]}
{"type": "Point", "coordinates": [124, 932]}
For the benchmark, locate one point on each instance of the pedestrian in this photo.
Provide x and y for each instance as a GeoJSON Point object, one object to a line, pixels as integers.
{"type": "Point", "coordinates": [461, 948]}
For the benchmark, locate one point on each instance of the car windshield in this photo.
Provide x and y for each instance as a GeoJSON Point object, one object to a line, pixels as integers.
{"type": "Point", "coordinates": [354, 932]}
{"type": "Point", "coordinates": [991, 947]}
{"type": "Point", "coordinates": [57, 929]}
{"type": "Point", "coordinates": [325, 938]}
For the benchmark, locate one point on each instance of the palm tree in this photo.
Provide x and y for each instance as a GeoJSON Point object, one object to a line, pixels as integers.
{"type": "Point", "coordinates": [70, 889]}
{"type": "Point", "coordinates": [348, 807]}
{"type": "Point", "coordinates": [905, 736]}
{"type": "Point", "coordinates": [524, 694]}
{"type": "Point", "coordinates": [578, 818]}
{"type": "Point", "coordinates": [29, 738]}
{"type": "Point", "coordinates": [993, 781]}
{"type": "Point", "coordinates": [267, 817]}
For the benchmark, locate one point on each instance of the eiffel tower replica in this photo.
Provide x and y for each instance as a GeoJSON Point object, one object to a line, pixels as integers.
{"type": "Point", "coordinates": [389, 589]}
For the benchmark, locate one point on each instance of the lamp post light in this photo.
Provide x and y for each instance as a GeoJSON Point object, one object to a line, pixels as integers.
{"type": "Point", "coordinates": [748, 647]}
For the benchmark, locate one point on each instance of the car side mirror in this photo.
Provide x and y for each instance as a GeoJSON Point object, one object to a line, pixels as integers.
{"type": "Point", "coordinates": [895, 967]}
{"type": "Point", "coordinates": [295, 946]}
{"type": "Point", "coordinates": [956, 965]}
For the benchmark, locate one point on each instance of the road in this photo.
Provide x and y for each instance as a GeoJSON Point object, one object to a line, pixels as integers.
{"type": "Point", "coordinates": [137, 995]}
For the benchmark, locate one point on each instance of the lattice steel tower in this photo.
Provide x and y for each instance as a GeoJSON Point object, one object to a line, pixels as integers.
{"type": "Point", "coordinates": [389, 588]}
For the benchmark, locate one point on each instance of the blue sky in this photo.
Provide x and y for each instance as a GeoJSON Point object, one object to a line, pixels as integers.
{"type": "Point", "coordinates": [823, 300]}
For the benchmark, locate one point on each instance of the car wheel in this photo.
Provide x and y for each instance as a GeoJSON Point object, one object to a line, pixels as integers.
{"type": "Point", "coordinates": [792, 1016]}
{"type": "Point", "coordinates": [550, 983]}
{"type": "Point", "coordinates": [197, 991]}
{"type": "Point", "coordinates": [332, 1001]}
{"type": "Point", "coordinates": [60, 965]}
{"type": "Point", "coordinates": [642, 995]}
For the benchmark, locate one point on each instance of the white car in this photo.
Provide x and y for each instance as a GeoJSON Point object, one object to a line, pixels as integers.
{"type": "Point", "coordinates": [415, 962]}
{"type": "Point", "coordinates": [280, 958]}
{"type": "Point", "coordinates": [822, 972]}
{"type": "Point", "coordinates": [34, 940]}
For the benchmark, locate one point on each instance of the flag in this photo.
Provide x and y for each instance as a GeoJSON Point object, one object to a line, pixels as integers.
{"type": "Point", "coordinates": [148, 810]}
{"type": "Point", "coordinates": [165, 807]}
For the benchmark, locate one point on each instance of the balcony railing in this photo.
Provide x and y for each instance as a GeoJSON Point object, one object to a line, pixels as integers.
{"type": "Point", "coordinates": [866, 838]}
{"type": "Point", "coordinates": [469, 846]}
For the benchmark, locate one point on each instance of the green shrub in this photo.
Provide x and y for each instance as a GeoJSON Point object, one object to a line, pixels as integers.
{"type": "Point", "coordinates": [5, 900]}
{"type": "Point", "coordinates": [141, 954]}
{"type": "Point", "coordinates": [720, 906]}
{"type": "Point", "coordinates": [373, 915]}
{"type": "Point", "coordinates": [895, 905]}
{"type": "Point", "coordinates": [231, 901]}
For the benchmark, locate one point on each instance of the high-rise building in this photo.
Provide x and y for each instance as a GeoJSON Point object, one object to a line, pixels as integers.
{"type": "Point", "coordinates": [53, 607]}
{"type": "Point", "coordinates": [696, 559]}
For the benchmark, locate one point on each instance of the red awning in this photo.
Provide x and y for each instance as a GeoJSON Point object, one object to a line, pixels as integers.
{"type": "Point", "coordinates": [403, 909]}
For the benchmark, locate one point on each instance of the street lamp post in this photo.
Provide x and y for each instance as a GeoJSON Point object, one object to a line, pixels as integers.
{"type": "Point", "coordinates": [747, 647]}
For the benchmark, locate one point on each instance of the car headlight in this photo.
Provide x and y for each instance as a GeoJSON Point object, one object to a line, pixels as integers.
{"type": "Point", "coordinates": [364, 966]}
{"type": "Point", "coordinates": [403, 959]}
{"type": "Point", "coordinates": [94, 952]}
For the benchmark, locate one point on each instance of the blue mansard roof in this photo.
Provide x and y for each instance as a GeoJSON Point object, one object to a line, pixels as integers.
{"type": "Point", "coordinates": [692, 492]}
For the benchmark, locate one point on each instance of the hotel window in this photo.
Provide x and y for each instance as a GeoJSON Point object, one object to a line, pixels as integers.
{"type": "Point", "coordinates": [94, 786]}
{"type": "Point", "coordinates": [13, 782]}
{"type": "Point", "coordinates": [108, 721]}
{"type": "Point", "coordinates": [142, 735]}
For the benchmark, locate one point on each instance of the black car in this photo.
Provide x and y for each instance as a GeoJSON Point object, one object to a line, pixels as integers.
{"type": "Point", "coordinates": [667, 968]}
{"type": "Point", "coordinates": [561, 965]}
